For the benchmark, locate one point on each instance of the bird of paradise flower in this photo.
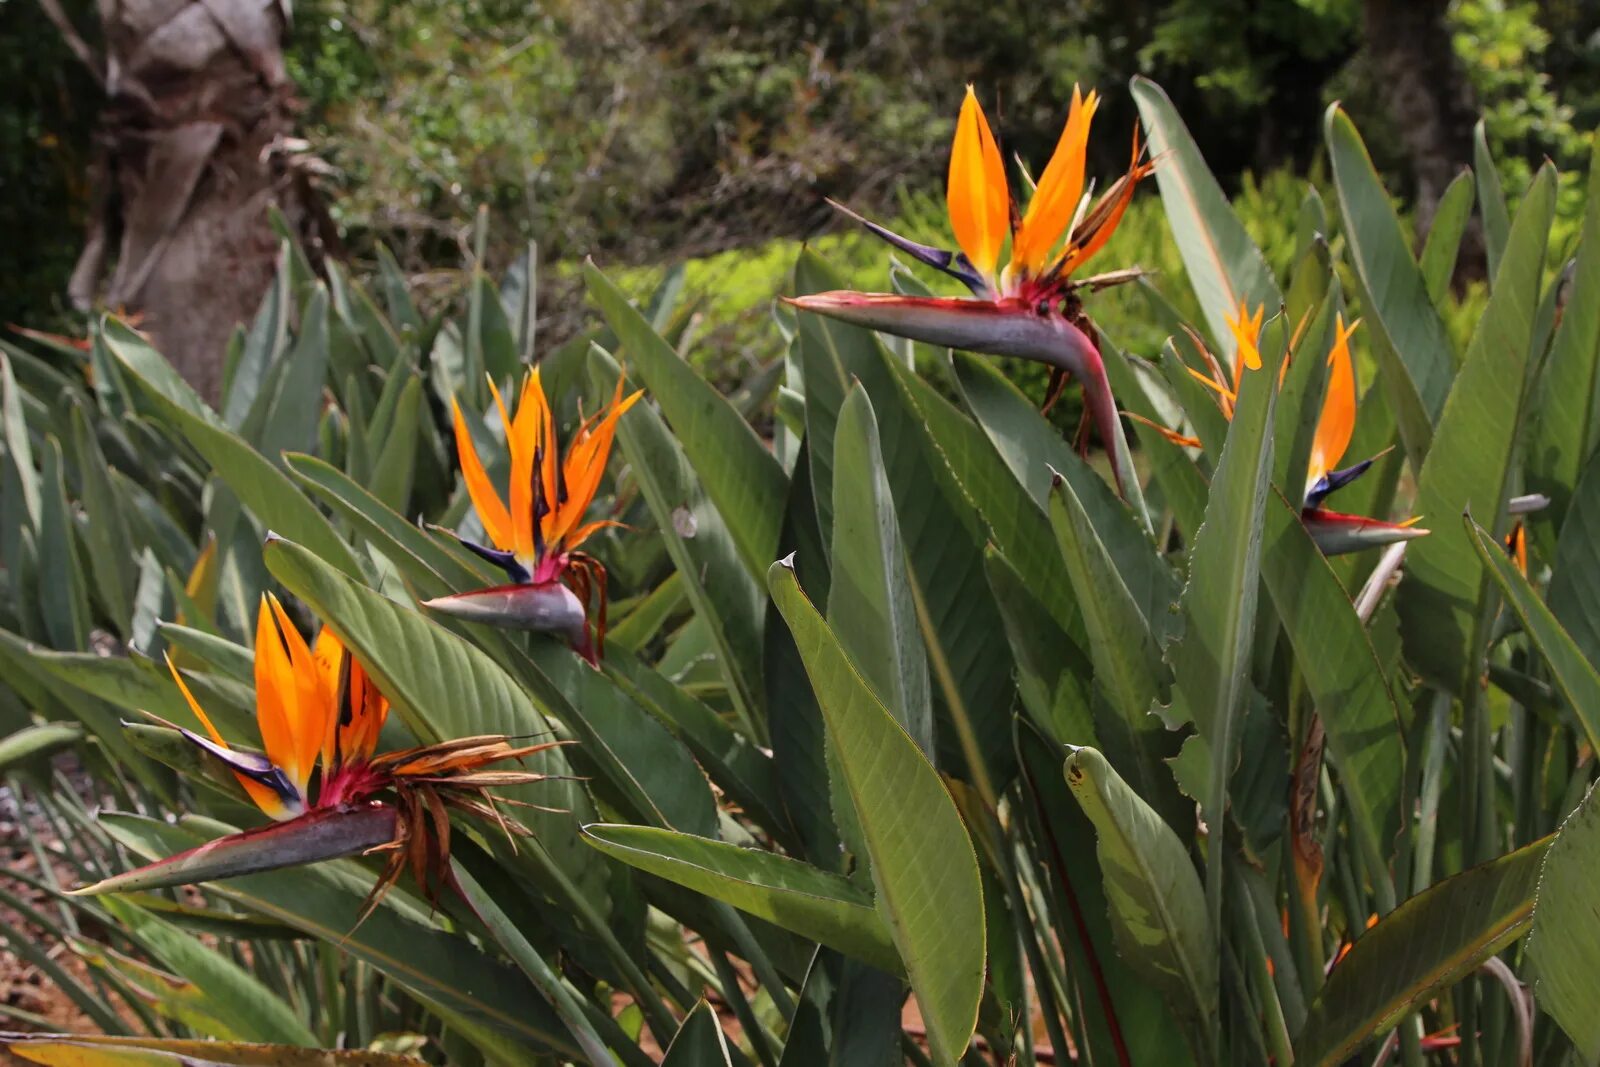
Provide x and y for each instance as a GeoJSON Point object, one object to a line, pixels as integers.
{"type": "Point", "coordinates": [537, 530]}
{"type": "Point", "coordinates": [320, 716]}
{"type": "Point", "coordinates": [1032, 306]}
{"type": "Point", "coordinates": [1334, 532]}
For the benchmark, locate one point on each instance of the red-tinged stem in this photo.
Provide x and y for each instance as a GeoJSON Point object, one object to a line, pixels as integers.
{"type": "Point", "coordinates": [1058, 864]}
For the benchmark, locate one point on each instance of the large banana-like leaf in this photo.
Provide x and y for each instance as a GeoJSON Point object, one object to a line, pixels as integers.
{"type": "Point", "coordinates": [1471, 462]}
{"type": "Point", "coordinates": [1347, 680]}
{"type": "Point", "coordinates": [37, 743]}
{"type": "Point", "coordinates": [1157, 905]}
{"type": "Point", "coordinates": [256, 480]}
{"type": "Point", "coordinates": [1564, 941]}
{"type": "Point", "coordinates": [63, 596]}
{"type": "Point", "coordinates": [1431, 941]}
{"type": "Point", "coordinates": [739, 474]}
{"type": "Point", "coordinates": [1563, 438]}
{"type": "Point", "coordinates": [1573, 670]}
{"type": "Point", "coordinates": [1575, 571]}
{"type": "Point", "coordinates": [1443, 246]}
{"type": "Point", "coordinates": [250, 1009]}
{"type": "Point", "coordinates": [700, 543]}
{"type": "Point", "coordinates": [87, 1050]}
{"type": "Point", "coordinates": [923, 864]}
{"type": "Point", "coordinates": [1491, 199]}
{"type": "Point", "coordinates": [1224, 266]}
{"type": "Point", "coordinates": [1211, 662]}
{"type": "Point", "coordinates": [1036, 453]}
{"type": "Point", "coordinates": [942, 535]}
{"type": "Point", "coordinates": [699, 1042]}
{"type": "Point", "coordinates": [816, 904]}
{"type": "Point", "coordinates": [1124, 651]}
{"type": "Point", "coordinates": [400, 939]}
{"type": "Point", "coordinates": [870, 605]}
{"type": "Point", "coordinates": [106, 537]}
{"type": "Point", "coordinates": [1413, 349]}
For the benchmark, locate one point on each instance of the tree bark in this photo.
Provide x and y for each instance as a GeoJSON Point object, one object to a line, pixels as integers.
{"type": "Point", "coordinates": [194, 144]}
{"type": "Point", "coordinates": [1429, 96]}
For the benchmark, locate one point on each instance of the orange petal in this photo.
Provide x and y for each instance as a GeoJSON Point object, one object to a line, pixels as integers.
{"type": "Point", "coordinates": [1107, 215]}
{"type": "Point", "coordinates": [584, 468]}
{"type": "Point", "coordinates": [266, 799]}
{"type": "Point", "coordinates": [1055, 198]}
{"type": "Point", "coordinates": [1246, 335]}
{"type": "Point", "coordinates": [491, 510]}
{"type": "Point", "coordinates": [276, 694]}
{"type": "Point", "coordinates": [1182, 440]}
{"type": "Point", "coordinates": [978, 199]}
{"type": "Point", "coordinates": [353, 740]}
{"type": "Point", "coordinates": [194, 705]}
{"type": "Point", "coordinates": [309, 713]}
{"type": "Point", "coordinates": [530, 438]}
{"type": "Point", "coordinates": [1338, 419]}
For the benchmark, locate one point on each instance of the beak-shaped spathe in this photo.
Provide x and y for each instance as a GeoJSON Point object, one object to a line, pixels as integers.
{"type": "Point", "coordinates": [1336, 533]}
{"type": "Point", "coordinates": [1009, 327]}
{"type": "Point", "coordinates": [548, 607]}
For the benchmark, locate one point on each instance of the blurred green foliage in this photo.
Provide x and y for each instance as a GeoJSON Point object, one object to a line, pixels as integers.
{"type": "Point", "coordinates": [649, 132]}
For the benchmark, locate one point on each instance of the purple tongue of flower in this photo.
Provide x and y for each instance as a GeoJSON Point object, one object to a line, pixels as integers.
{"type": "Point", "coordinates": [954, 264]}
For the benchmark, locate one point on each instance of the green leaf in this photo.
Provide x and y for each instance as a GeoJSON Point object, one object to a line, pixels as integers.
{"type": "Point", "coordinates": [1343, 673]}
{"type": "Point", "coordinates": [923, 864]}
{"type": "Point", "coordinates": [1125, 653]}
{"type": "Point", "coordinates": [816, 904]}
{"type": "Point", "coordinates": [19, 451]}
{"type": "Point", "coordinates": [870, 604]}
{"type": "Point", "coordinates": [1413, 349]}
{"type": "Point", "coordinates": [1565, 937]}
{"type": "Point", "coordinates": [249, 1008]}
{"type": "Point", "coordinates": [396, 464]}
{"type": "Point", "coordinates": [740, 476]}
{"type": "Point", "coordinates": [699, 1041]}
{"type": "Point", "coordinates": [1562, 439]}
{"type": "Point", "coordinates": [932, 453]}
{"type": "Point", "coordinates": [1426, 944]}
{"type": "Point", "coordinates": [1211, 663]}
{"type": "Point", "coordinates": [1491, 200]}
{"type": "Point", "coordinates": [1035, 452]}
{"type": "Point", "coordinates": [1052, 674]}
{"type": "Point", "coordinates": [37, 742]}
{"type": "Point", "coordinates": [64, 601]}
{"type": "Point", "coordinates": [259, 484]}
{"type": "Point", "coordinates": [731, 760]}
{"type": "Point", "coordinates": [74, 1050]}
{"type": "Point", "coordinates": [403, 941]}
{"type": "Point", "coordinates": [1443, 246]}
{"type": "Point", "coordinates": [107, 540]}
{"type": "Point", "coordinates": [1473, 461]}
{"type": "Point", "coordinates": [700, 544]}
{"type": "Point", "coordinates": [289, 416]}
{"type": "Point", "coordinates": [1574, 584]}
{"type": "Point", "coordinates": [1573, 669]}
{"type": "Point", "coordinates": [1157, 906]}
{"type": "Point", "coordinates": [1224, 266]}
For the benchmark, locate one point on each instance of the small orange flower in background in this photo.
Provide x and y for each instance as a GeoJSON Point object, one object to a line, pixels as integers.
{"type": "Point", "coordinates": [535, 531]}
{"type": "Point", "coordinates": [1030, 306]}
{"type": "Point", "coordinates": [1333, 531]}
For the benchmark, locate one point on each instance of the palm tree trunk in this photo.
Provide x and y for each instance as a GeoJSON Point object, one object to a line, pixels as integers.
{"type": "Point", "coordinates": [194, 144]}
